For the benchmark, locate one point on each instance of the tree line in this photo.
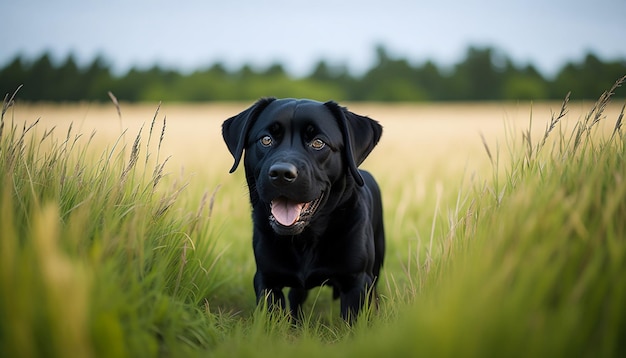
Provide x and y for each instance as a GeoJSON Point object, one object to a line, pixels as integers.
{"type": "Point", "coordinates": [484, 74]}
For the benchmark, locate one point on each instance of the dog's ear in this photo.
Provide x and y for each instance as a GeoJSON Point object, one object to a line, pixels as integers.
{"type": "Point", "coordinates": [360, 136]}
{"type": "Point", "coordinates": [235, 129]}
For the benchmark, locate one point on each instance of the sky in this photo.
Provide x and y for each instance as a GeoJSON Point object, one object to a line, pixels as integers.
{"type": "Point", "coordinates": [187, 35]}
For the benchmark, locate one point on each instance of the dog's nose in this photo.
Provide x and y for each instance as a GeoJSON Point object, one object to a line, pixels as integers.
{"type": "Point", "coordinates": [283, 173]}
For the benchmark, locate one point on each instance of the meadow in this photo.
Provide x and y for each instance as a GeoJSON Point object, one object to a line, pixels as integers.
{"type": "Point", "coordinates": [124, 235]}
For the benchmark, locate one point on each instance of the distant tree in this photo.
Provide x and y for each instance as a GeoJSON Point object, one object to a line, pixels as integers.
{"type": "Point", "coordinates": [321, 72]}
{"type": "Point", "coordinates": [12, 76]}
{"type": "Point", "coordinates": [218, 69]}
{"type": "Point", "coordinates": [127, 88]}
{"type": "Point", "coordinates": [40, 81]}
{"type": "Point", "coordinates": [158, 84]}
{"type": "Point", "coordinates": [592, 74]}
{"type": "Point", "coordinates": [98, 79]}
{"type": "Point", "coordinates": [275, 69]}
{"type": "Point", "coordinates": [476, 78]}
{"type": "Point", "coordinates": [566, 80]}
{"type": "Point", "coordinates": [137, 83]}
{"type": "Point", "coordinates": [70, 86]}
{"type": "Point", "coordinates": [484, 74]}
{"type": "Point", "coordinates": [390, 80]}
{"type": "Point", "coordinates": [524, 84]}
{"type": "Point", "coordinates": [245, 72]}
{"type": "Point", "coordinates": [334, 76]}
{"type": "Point", "coordinates": [430, 79]}
{"type": "Point", "coordinates": [588, 79]}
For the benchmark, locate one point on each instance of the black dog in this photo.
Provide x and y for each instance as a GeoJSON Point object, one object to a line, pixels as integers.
{"type": "Point", "coordinates": [317, 218]}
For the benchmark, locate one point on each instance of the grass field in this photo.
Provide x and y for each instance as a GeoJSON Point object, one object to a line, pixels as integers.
{"type": "Point", "coordinates": [124, 235]}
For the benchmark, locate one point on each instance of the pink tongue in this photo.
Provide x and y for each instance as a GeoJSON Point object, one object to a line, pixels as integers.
{"type": "Point", "coordinates": [286, 212]}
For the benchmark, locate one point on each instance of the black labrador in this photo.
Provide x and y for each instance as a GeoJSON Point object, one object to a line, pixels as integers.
{"type": "Point", "coordinates": [317, 217]}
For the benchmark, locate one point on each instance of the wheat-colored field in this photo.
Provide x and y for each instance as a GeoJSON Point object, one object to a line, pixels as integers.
{"type": "Point", "coordinates": [417, 139]}
{"type": "Point", "coordinates": [421, 143]}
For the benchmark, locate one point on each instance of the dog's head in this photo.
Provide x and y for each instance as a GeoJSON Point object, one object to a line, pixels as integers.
{"type": "Point", "coordinates": [296, 150]}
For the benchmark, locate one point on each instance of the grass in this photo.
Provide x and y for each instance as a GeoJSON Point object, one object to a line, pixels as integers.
{"type": "Point", "coordinates": [105, 253]}
{"type": "Point", "coordinates": [96, 259]}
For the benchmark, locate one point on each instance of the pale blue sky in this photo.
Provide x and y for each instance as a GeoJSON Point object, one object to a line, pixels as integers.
{"type": "Point", "coordinates": [187, 34]}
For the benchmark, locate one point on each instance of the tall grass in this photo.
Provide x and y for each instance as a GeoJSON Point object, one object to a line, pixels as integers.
{"type": "Point", "coordinates": [101, 256]}
{"type": "Point", "coordinates": [543, 256]}
{"type": "Point", "coordinates": [96, 260]}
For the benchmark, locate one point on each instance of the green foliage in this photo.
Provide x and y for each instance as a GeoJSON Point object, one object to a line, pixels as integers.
{"type": "Point", "coordinates": [484, 74]}
{"type": "Point", "coordinates": [525, 88]}
{"type": "Point", "coordinates": [542, 276]}
{"type": "Point", "coordinates": [95, 258]}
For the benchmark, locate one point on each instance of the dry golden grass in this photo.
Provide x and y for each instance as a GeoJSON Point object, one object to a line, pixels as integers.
{"type": "Point", "coordinates": [428, 135]}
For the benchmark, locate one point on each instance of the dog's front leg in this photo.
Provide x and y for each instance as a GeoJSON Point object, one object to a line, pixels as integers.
{"type": "Point", "coordinates": [353, 296]}
{"type": "Point", "coordinates": [272, 296]}
{"type": "Point", "coordinates": [297, 296]}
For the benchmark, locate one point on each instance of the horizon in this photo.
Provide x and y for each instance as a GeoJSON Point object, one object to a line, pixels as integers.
{"type": "Point", "coordinates": [190, 35]}
{"type": "Point", "coordinates": [59, 60]}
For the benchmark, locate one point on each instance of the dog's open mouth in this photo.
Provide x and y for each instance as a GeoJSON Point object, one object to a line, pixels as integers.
{"type": "Point", "coordinates": [293, 215]}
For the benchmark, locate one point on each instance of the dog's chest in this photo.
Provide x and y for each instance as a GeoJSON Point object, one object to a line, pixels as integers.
{"type": "Point", "coordinates": [303, 263]}
{"type": "Point", "coordinates": [309, 266]}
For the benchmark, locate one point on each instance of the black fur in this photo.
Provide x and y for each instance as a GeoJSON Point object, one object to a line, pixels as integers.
{"type": "Point", "coordinates": [303, 151]}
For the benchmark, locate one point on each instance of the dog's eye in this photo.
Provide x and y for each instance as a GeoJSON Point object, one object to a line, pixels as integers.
{"type": "Point", "coordinates": [266, 141]}
{"type": "Point", "coordinates": [317, 144]}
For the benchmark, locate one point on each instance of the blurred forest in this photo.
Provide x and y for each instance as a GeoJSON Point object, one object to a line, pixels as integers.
{"type": "Point", "coordinates": [484, 74]}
